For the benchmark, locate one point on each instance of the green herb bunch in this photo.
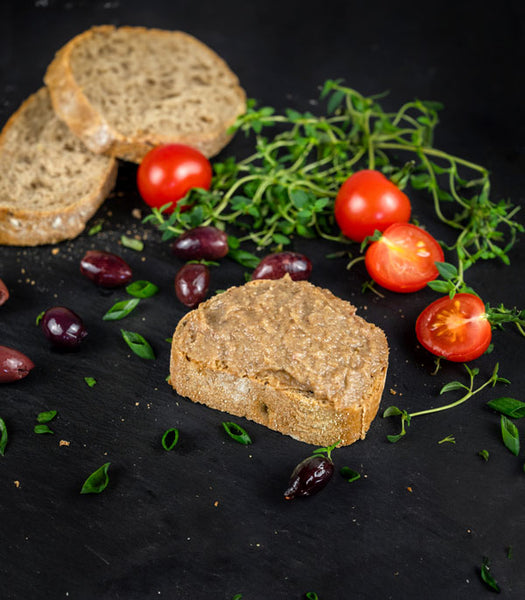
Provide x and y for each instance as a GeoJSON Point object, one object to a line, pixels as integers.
{"type": "Point", "coordinates": [287, 187]}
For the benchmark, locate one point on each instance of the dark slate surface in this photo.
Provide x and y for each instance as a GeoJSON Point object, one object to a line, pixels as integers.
{"type": "Point", "coordinates": [208, 520]}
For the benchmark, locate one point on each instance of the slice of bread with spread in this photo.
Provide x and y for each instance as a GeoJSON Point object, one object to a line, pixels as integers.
{"type": "Point", "coordinates": [286, 354]}
{"type": "Point", "coordinates": [125, 90]}
{"type": "Point", "coordinates": [50, 183]}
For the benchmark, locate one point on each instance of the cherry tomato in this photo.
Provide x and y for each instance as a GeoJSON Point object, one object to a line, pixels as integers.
{"type": "Point", "coordinates": [455, 328]}
{"type": "Point", "coordinates": [403, 260]}
{"type": "Point", "coordinates": [367, 201]}
{"type": "Point", "coordinates": [167, 173]}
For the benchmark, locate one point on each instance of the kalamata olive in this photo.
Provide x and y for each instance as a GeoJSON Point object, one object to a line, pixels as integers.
{"type": "Point", "coordinates": [63, 327]}
{"type": "Point", "coordinates": [4, 292]}
{"type": "Point", "coordinates": [309, 476]}
{"type": "Point", "coordinates": [191, 284]}
{"type": "Point", "coordinates": [207, 242]}
{"type": "Point", "coordinates": [13, 365]}
{"type": "Point", "coordinates": [105, 269]}
{"type": "Point", "coordinates": [275, 266]}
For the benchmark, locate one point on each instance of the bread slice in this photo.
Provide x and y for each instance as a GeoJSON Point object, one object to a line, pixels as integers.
{"type": "Point", "coordinates": [50, 184]}
{"type": "Point", "coordinates": [125, 90]}
{"type": "Point", "coordinates": [286, 354]}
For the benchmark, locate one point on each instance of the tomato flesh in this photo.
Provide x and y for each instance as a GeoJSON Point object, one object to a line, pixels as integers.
{"type": "Point", "coordinates": [367, 201]}
{"type": "Point", "coordinates": [455, 328]}
{"type": "Point", "coordinates": [167, 173]}
{"type": "Point", "coordinates": [403, 260]}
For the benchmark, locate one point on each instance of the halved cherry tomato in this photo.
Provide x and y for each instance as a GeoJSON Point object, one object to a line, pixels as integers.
{"type": "Point", "coordinates": [455, 328]}
{"type": "Point", "coordinates": [367, 201]}
{"type": "Point", "coordinates": [167, 173]}
{"type": "Point", "coordinates": [403, 260]}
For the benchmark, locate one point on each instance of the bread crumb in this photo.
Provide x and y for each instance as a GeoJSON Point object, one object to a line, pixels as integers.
{"type": "Point", "coordinates": [136, 213]}
{"type": "Point", "coordinates": [393, 391]}
{"type": "Point", "coordinates": [409, 489]}
{"type": "Point", "coordinates": [216, 503]}
{"type": "Point", "coordinates": [17, 483]}
{"type": "Point", "coordinates": [55, 251]}
{"type": "Point", "coordinates": [63, 443]}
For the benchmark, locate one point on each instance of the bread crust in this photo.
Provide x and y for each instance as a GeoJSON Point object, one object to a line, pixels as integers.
{"type": "Point", "coordinates": [72, 105]}
{"type": "Point", "coordinates": [29, 227]}
{"type": "Point", "coordinates": [292, 412]}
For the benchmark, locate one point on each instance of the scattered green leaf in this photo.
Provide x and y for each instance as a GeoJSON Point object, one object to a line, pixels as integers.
{"type": "Point", "coordinates": [121, 309]}
{"type": "Point", "coordinates": [142, 289]}
{"type": "Point", "coordinates": [487, 577]}
{"type": "Point", "coordinates": [484, 454]}
{"type": "Point", "coordinates": [91, 381]}
{"type": "Point", "coordinates": [170, 438]}
{"type": "Point", "coordinates": [450, 439]}
{"type": "Point", "coordinates": [46, 416]}
{"type": "Point", "coordinates": [510, 435]}
{"type": "Point", "coordinates": [138, 344]}
{"type": "Point", "coordinates": [349, 474]}
{"type": "Point", "coordinates": [510, 407]}
{"type": "Point", "coordinates": [237, 433]}
{"type": "Point", "coordinates": [97, 481]}
{"type": "Point", "coordinates": [3, 436]}
{"type": "Point", "coordinates": [42, 429]}
{"type": "Point", "coordinates": [132, 243]}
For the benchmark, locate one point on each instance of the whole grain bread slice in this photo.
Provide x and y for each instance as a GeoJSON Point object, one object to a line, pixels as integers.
{"type": "Point", "coordinates": [286, 354]}
{"type": "Point", "coordinates": [50, 183]}
{"type": "Point", "coordinates": [125, 90]}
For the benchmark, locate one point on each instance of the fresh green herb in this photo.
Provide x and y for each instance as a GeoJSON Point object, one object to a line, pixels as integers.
{"type": "Point", "coordinates": [91, 381]}
{"type": "Point", "coordinates": [42, 429]}
{"type": "Point", "coordinates": [237, 433]}
{"type": "Point", "coordinates": [142, 289]}
{"type": "Point", "coordinates": [349, 474]}
{"type": "Point", "coordinates": [288, 185]}
{"type": "Point", "coordinates": [484, 454]}
{"type": "Point", "coordinates": [327, 450]}
{"type": "Point", "coordinates": [170, 438]}
{"type": "Point", "coordinates": [121, 309]}
{"type": "Point", "coordinates": [406, 417]}
{"type": "Point", "coordinates": [46, 416]}
{"type": "Point", "coordinates": [39, 317]}
{"type": "Point", "coordinates": [97, 481]}
{"type": "Point", "coordinates": [510, 435]}
{"type": "Point", "coordinates": [3, 436]}
{"type": "Point", "coordinates": [487, 578]}
{"type": "Point", "coordinates": [311, 596]}
{"type": "Point", "coordinates": [132, 243]}
{"type": "Point", "coordinates": [96, 228]}
{"type": "Point", "coordinates": [515, 409]}
{"type": "Point", "coordinates": [450, 439]}
{"type": "Point", "coordinates": [237, 597]}
{"type": "Point", "coordinates": [510, 552]}
{"type": "Point", "coordinates": [138, 344]}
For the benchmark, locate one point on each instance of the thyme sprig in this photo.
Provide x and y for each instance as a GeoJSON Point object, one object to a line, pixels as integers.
{"type": "Point", "coordinates": [288, 185]}
{"type": "Point", "coordinates": [470, 390]}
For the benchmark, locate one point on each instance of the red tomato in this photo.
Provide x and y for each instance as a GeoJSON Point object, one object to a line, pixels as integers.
{"type": "Point", "coordinates": [167, 173]}
{"type": "Point", "coordinates": [455, 328]}
{"type": "Point", "coordinates": [367, 201]}
{"type": "Point", "coordinates": [403, 260]}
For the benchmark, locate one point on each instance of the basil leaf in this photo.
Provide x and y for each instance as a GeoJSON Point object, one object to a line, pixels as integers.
{"type": "Point", "coordinates": [138, 344]}
{"type": "Point", "coordinates": [42, 429]}
{"type": "Point", "coordinates": [132, 243]}
{"type": "Point", "coordinates": [121, 309]}
{"type": "Point", "coordinates": [510, 435]}
{"type": "Point", "coordinates": [97, 481]}
{"type": "Point", "coordinates": [170, 438]}
{"type": "Point", "coordinates": [487, 577]}
{"type": "Point", "coordinates": [349, 474]}
{"type": "Point", "coordinates": [91, 381]}
{"type": "Point", "coordinates": [142, 289]}
{"type": "Point", "coordinates": [237, 433]}
{"type": "Point", "coordinates": [45, 417]}
{"type": "Point", "coordinates": [3, 436]}
{"type": "Point", "coordinates": [508, 406]}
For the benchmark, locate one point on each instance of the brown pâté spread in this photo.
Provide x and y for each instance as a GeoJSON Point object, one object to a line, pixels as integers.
{"type": "Point", "coordinates": [290, 334]}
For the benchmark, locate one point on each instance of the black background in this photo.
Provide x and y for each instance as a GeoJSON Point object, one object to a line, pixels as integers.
{"type": "Point", "coordinates": [208, 520]}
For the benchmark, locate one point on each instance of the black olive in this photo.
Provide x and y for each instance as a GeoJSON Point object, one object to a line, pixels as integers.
{"type": "Point", "coordinates": [309, 476]}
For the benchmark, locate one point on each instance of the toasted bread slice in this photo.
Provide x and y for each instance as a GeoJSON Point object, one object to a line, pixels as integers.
{"type": "Point", "coordinates": [125, 90]}
{"type": "Point", "coordinates": [286, 354]}
{"type": "Point", "coordinates": [50, 183]}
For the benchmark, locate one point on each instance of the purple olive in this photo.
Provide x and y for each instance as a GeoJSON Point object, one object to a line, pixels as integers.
{"type": "Point", "coordinates": [4, 292]}
{"type": "Point", "coordinates": [275, 266]}
{"type": "Point", "coordinates": [13, 365]}
{"type": "Point", "coordinates": [191, 284]}
{"type": "Point", "coordinates": [105, 269]}
{"type": "Point", "coordinates": [63, 327]}
{"type": "Point", "coordinates": [207, 242]}
{"type": "Point", "coordinates": [309, 476]}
